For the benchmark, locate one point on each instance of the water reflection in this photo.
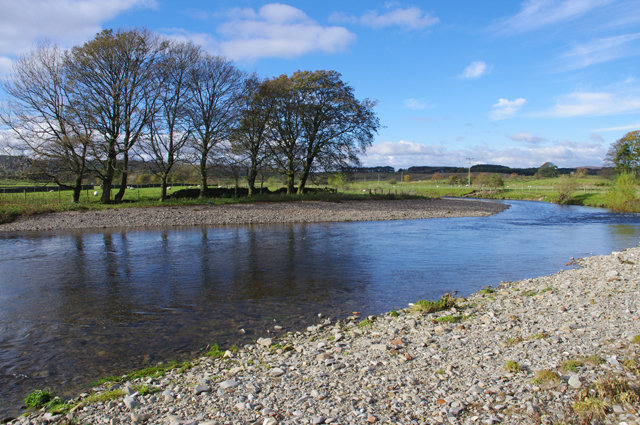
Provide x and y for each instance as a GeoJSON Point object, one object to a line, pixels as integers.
{"type": "Point", "coordinates": [75, 306]}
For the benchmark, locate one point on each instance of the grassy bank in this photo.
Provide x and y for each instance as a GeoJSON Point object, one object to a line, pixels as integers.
{"type": "Point", "coordinates": [18, 205]}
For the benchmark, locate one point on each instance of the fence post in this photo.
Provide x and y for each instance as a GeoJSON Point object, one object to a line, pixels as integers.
{"type": "Point", "coordinates": [59, 200]}
{"type": "Point", "coordinates": [25, 195]}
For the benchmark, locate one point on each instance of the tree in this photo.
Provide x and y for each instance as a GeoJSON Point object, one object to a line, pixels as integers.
{"type": "Point", "coordinates": [624, 153]}
{"type": "Point", "coordinates": [495, 181]}
{"type": "Point", "coordinates": [622, 195]}
{"type": "Point", "coordinates": [436, 176]}
{"type": "Point", "coordinates": [407, 178]}
{"type": "Point", "coordinates": [250, 139]}
{"type": "Point", "coordinates": [565, 187]}
{"type": "Point", "coordinates": [169, 129]}
{"type": "Point", "coordinates": [548, 169]}
{"type": "Point", "coordinates": [113, 83]}
{"type": "Point", "coordinates": [482, 179]}
{"type": "Point", "coordinates": [42, 116]}
{"type": "Point", "coordinates": [336, 126]}
{"type": "Point", "coordinates": [216, 89]}
{"type": "Point", "coordinates": [453, 179]}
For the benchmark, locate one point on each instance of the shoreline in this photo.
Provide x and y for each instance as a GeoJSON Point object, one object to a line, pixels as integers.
{"type": "Point", "coordinates": [258, 213]}
{"type": "Point", "coordinates": [472, 364]}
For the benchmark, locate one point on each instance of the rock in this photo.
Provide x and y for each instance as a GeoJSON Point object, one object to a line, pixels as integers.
{"type": "Point", "coordinates": [379, 347]}
{"type": "Point", "coordinates": [199, 389]}
{"type": "Point", "coordinates": [276, 371]}
{"type": "Point", "coordinates": [235, 370]}
{"type": "Point", "coordinates": [574, 381]}
{"type": "Point", "coordinates": [270, 421]}
{"type": "Point", "coordinates": [265, 342]}
{"type": "Point", "coordinates": [131, 402]}
{"type": "Point", "coordinates": [229, 383]}
{"type": "Point", "coordinates": [316, 420]}
{"type": "Point", "coordinates": [397, 341]}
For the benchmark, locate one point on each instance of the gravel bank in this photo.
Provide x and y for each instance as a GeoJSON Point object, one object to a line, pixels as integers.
{"type": "Point", "coordinates": [411, 368]}
{"type": "Point", "coordinates": [291, 212]}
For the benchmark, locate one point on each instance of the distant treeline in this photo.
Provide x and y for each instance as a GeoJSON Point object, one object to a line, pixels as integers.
{"type": "Point", "coordinates": [485, 168]}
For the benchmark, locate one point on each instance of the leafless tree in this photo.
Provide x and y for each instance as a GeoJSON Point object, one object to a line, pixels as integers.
{"type": "Point", "coordinates": [113, 82]}
{"type": "Point", "coordinates": [170, 129]}
{"type": "Point", "coordinates": [216, 89]}
{"type": "Point", "coordinates": [42, 116]}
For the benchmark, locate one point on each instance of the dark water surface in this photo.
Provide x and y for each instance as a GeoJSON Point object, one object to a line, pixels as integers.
{"type": "Point", "coordinates": [79, 305]}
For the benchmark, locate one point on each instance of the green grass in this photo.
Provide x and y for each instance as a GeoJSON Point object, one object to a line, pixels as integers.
{"type": "Point", "coordinates": [572, 365]}
{"type": "Point", "coordinates": [450, 318]}
{"type": "Point", "coordinates": [365, 322]}
{"type": "Point", "coordinates": [39, 398]}
{"type": "Point", "coordinates": [215, 351]}
{"type": "Point", "coordinates": [636, 339]}
{"type": "Point", "coordinates": [445, 302]}
{"type": "Point", "coordinates": [545, 376]}
{"type": "Point", "coordinates": [394, 313]}
{"type": "Point", "coordinates": [594, 360]}
{"type": "Point", "coordinates": [512, 366]}
{"type": "Point", "coordinates": [487, 290]}
{"type": "Point", "coordinates": [152, 372]}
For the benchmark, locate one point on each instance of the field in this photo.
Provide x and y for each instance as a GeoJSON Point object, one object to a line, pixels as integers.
{"type": "Point", "coordinates": [591, 191]}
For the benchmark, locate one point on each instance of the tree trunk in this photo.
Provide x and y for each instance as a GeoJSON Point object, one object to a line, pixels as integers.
{"type": "Point", "coordinates": [123, 182]}
{"type": "Point", "coordinates": [163, 194]}
{"type": "Point", "coordinates": [203, 176]}
{"type": "Point", "coordinates": [291, 177]}
{"type": "Point", "coordinates": [251, 181]}
{"type": "Point", "coordinates": [303, 181]}
{"type": "Point", "coordinates": [77, 189]}
{"type": "Point", "coordinates": [108, 179]}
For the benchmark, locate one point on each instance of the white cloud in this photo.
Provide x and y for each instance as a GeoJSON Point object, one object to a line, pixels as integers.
{"type": "Point", "coordinates": [5, 65]}
{"type": "Point", "coordinates": [276, 30]}
{"type": "Point", "coordinates": [536, 14]}
{"type": "Point", "coordinates": [67, 22]}
{"type": "Point", "coordinates": [506, 108]}
{"type": "Point", "coordinates": [527, 138]}
{"type": "Point", "coordinates": [475, 70]}
{"type": "Point", "coordinates": [603, 50]}
{"type": "Point", "coordinates": [591, 104]}
{"type": "Point", "coordinates": [412, 18]}
{"type": "Point", "coordinates": [415, 103]}
{"type": "Point", "coordinates": [406, 154]}
{"type": "Point", "coordinates": [595, 137]}
{"type": "Point", "coordinates": [622, 127]}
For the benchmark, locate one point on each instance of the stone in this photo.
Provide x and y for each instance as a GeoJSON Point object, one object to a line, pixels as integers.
{"type": "Point", "coordinates": [379, 347]}
{"type": "Point", "coordinates": [131, 402]}
{"type": "Point", "coordinates": [574, 381]}
{"type": "Point", "coordinates": [276, 371]}
{"type": "Point", "coordinates": [229, 383]}
{"type": "Point", "coordinates": [397, 341]}
{"type": "Point", "coordinates": [265, 342]}
{"type": "Point", "coordinates": [270, 421]}
{"type": "Point", "coordinates": [199, 389]}
{"type": "Point", "coordinates": [317, 420]}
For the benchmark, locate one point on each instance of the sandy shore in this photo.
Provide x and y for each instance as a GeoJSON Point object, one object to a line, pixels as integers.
{"type": "Point", "coordinates": [261, 213]}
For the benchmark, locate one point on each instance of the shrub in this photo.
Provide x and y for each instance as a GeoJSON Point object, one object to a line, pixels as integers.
{"type": "Point", "coordinates": [621, 196]}
{"type": "Point", "coordinates": [512, 366]}
{"type": "Point", "coordinates": [544, 376]}
{"type": "Point", "coordinates": [39, 398]}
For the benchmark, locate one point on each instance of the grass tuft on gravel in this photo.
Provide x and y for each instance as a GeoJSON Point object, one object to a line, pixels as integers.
{"type": "Point", "coordinates": [446, 302]}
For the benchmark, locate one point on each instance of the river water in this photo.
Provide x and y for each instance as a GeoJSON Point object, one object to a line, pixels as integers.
{"type": "Point", "coordinates": [79, 305]}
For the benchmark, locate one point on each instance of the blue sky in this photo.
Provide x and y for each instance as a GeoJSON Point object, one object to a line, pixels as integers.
{"type": "Point", "coordinates": [503, 82]}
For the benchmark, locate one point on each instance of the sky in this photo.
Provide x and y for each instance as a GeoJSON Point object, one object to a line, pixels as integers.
{"type": "Point", "coordinates": [514, 83]}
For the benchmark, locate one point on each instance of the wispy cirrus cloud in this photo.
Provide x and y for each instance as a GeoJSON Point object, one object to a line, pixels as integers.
{"type": "Point", "coordinates": [592, 104]}
{"type": "Point", "coordinates": [506, 108]}
{"type": "Point", "coordinates": [635, 126]}
{"type": "Point", "coordinates": [602, 50]}
{"type": "Point", "coordinates": [475, 70]}
{"type": "Point", "coordinates": [409, 18]}
{"type": "Point", "coordinates": [535, 14]}
{"type": "Point", "coordinates": [416, 103]}
{"type": "Point", "coordinates": [276, 30]}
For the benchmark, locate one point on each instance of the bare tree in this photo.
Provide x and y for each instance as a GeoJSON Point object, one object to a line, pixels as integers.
{"type": "Point", "coordinates": [216, 88]}
{"type": "Point", "coordinates": [113, 82]}
{"type": "Point", "coordinates": [250, 139]}
{"type": "Point", "coordinates": [41, 115]}
{"type": "Point", "coordinates": [169, 127]}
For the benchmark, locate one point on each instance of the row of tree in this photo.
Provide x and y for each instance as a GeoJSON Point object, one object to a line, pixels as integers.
{"type": "Point", "coordinates": [624, 153]}
{"type": "Point", "coordinates": [133, 94]}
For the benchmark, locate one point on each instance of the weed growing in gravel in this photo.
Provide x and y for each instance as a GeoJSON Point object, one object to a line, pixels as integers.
{"type": "Point", "coordinates": [531, 293]}
{"type": "Point", "coordinates": [572, 365]}
{"type": "Point", "coordinates": [594, 360]}
{"type": "Point", "coordinates": [445, 302]}
{"type": "Point", "coordinates": [450, 318]}
{"type": "Point", "coordinates": [512, 366]}
{"type": "Point", "coordinates": [214, 351]}
{"type": "Point", "coordinates": [146, 389]}
{"type": "Point", "coordinates": [394, 313]}
{"type": "Point", "coordinates": [636, 339]}
{"type": "Point", "coordinates": [513, 341]}
{"type": "Point", "coordinates": [538, 336]}
{"type": "Point", "coordinates": [617, 390]}
{"type": "Point", "coordinates": [365, 322]}
{"type": "Point", "coordinates": [487, 290]}
{"type": "Point", "coordinates": [101, 381]}
{"type": "Point", "coordinates": [105, 396]}
{"type": "Point", "coordinates": [590, 408]}
{"type": "Point", "coordinates": [544, 376]}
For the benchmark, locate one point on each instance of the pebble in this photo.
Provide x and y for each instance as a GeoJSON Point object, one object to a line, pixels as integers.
{"type": "Point", "coordinates": [435, 372]}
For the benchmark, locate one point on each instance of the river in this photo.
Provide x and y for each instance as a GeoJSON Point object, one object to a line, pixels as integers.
{"type": "Point", "coordinates": [79, 305]}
